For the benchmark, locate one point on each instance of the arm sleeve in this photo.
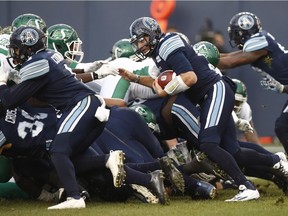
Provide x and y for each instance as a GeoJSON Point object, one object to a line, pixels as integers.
{"type": "Point", "coordinates": [16, 95]}
{"type": "Point", "coordinates": [179, 63]}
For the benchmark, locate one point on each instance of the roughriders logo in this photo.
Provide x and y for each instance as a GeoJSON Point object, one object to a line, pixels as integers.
{"type": "Point", "coordinates": [29, 36]}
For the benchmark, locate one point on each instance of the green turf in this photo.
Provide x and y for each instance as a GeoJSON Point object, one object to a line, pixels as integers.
{"type": "Point", "coordinates": [272, 203]}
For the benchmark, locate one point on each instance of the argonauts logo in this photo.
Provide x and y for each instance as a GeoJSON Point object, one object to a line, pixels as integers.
{"type": "Point", "coordinates": [150, 23]}
{"type": "Point", "coordinates": [29, 36]}
{"type": "Point", "coordinates": [246, 22]}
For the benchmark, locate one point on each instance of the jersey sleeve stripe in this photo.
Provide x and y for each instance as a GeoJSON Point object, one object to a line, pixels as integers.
{"type": "Point", "coordinates": [170, 45]}
{"type": "Point", "coordinates": [2, 138]}
{"type": "Point", "coordinates": [254, 44]}
{"type": "Point", "coordinates": [34, 70]}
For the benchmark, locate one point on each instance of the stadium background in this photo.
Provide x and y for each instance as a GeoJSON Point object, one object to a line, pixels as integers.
{"type": "Point", "coordinates": [101, 23]}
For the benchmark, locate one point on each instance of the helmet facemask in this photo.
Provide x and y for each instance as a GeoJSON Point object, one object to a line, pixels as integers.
{"type": "Point", "coordinates": [239, 101]}
{"type": "Point", "coordinates": [147, 48]}
{"type": "Point", "coordinates": [74, 52]}
{"type": "Point", "coordinates": [144, 28]}
{"type": "Point", "coordinates": [241, 95]}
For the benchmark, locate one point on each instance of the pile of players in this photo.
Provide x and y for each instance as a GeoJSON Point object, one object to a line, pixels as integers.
{"type": "Point", "coordinates": [76, 130]}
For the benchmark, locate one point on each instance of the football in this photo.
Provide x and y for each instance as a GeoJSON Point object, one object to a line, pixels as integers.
{"type": "Point", "coordinates": [165, 77]}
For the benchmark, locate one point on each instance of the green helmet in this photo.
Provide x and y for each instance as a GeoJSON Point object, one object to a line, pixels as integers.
{"type": "Point", "coordinates": [148, 115]}
{"type": "Point", "coordinates": [64, 39]}
{"type": "Point", "coordinates": [241, 95]}
{"type": "Point", "coordinates": [29, 20]}
{"type": "Point", "coordinates": [122, 48]}
{"type": "Point", "coordinates": [4, 41]}
{"type": "Point", "coordinates": [209, 50]}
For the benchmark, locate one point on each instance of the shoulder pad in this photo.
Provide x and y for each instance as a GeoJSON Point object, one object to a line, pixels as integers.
{"type": "Point", "coordinates": [255, 44]}
{"type": "Point", "coordinates": [169, 45]}
{"type": "Point", "coordinates": [34, 69]}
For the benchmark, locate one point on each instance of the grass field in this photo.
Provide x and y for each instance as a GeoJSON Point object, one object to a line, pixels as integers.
{"type": "Point", "coordinates": [272, 203]}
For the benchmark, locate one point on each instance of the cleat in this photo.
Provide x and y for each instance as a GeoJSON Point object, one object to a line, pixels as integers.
{"type": "Point", "coordinates": [61, 195]}
{"type": "Point", "coordinates": [282, 156]}
{"type": "Point", "coordinates": [203, 190]}
{"type": "Point", "coordinates": [143, 194]}
{"type": "Point", "coordinates": [172, 173]}
{"type": "Point", "coordinates": [180, 154]}
{"type": "Point", "coordinates": [115, 164]}
{"type": "Point", "coordinates": [85, 195]}
{"type": "Point", "coordinates": [70, 203]}
{"type": "Point", "coordinates": [281, 166]}
{"type": "Point", "coordinates": [244, 194]}
{"type": "Point", "coordinates": [210, 167]}
{"type": "Point", "coordinates": [156, 186]}
{"type": "Point", "coordinates": [282, 183]}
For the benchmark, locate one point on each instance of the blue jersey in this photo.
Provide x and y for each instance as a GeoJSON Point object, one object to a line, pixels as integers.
{"type": "Point", "coordinates": [276, 62]}
{"type": "Point", "coordinates": [126, 130]}
{"type": "Point", "coordinates": [169, 55]}
{"type": "Point", "coordinates": [44, 76]}
{"type": "Point", "coordinates": [30, 133]}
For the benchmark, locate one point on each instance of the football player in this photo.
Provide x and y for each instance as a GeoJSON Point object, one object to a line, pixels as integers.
{"type": "Point", "coordinates": [44, 76]}
{"type": "Point", "coordinates": [243, 111]}
{"type": "Point", "coordinates": [5, 70]}
{"type": "Point", "coordinates": [64, 39]}
{"type": "Point", "coordinates": [203, 86]}
{"type": "Point", "coordinates": [178, 113]}
{"type": "Point", "coordinates": [264, 53]}
{"type": "Point", "coordinates": [240, 116]}
{"type": "Point", "coordinates": [39, 140]}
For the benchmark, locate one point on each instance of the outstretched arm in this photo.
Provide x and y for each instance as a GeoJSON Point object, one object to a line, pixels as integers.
{"type": "Point", "coordinates": [237, 58]}
{"type": "Point", "coordinates": [131, 77]}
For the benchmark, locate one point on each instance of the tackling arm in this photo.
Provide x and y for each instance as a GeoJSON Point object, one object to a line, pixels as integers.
{"type": "Point", "coordinates": [237, 58]}
{"type": "Point", "coordinates": [131, 77]}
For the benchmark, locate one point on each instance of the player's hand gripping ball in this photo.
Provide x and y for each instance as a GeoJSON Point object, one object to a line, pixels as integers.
{"type": "Point", "coordinates": [165, 77]}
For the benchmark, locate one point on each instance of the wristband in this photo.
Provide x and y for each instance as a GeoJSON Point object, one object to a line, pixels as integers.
{"type": "Point", "coordinates": [94, 75]}
{"type": "Point", "coordinates": [176, 86]}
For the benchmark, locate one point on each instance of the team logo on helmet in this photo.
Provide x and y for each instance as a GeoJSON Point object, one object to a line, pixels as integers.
{"type": "Point", "coordinates": [150, 23]}
{"type": "Point", "coordinates": [246, 22]}
{"type": "Point", "coordinates": [29, 37]}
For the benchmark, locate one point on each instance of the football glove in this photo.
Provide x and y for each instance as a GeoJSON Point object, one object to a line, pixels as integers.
{"type": "Point", "coordinates": [14, 76]}
{"type": "Point", "coordinates": [269, 83]}
{"type": "Point", "coordinates": [102, 114]}
{"type": "Point", "coordinates": [105, 70]}
{"type": "Point", "coordinates": [244, 125]}
{"type": "Point", "coordinates": [91, 67]}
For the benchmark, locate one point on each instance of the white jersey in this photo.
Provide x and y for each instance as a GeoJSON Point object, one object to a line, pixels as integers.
{"type": "Point", "coordinates": [4, 40]}
{"type": "Point", "coordinates": [245, 112]}
{"type": "Point", "coordinates": [118, 87]}
{"type": "Point", "coordinates": [4, 65]}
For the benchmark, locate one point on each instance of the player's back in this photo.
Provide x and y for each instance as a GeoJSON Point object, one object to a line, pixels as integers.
{"type": "Point", "coordinates": [30, 133]}
{"type": "Point", "coordinates": [60, 88]}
